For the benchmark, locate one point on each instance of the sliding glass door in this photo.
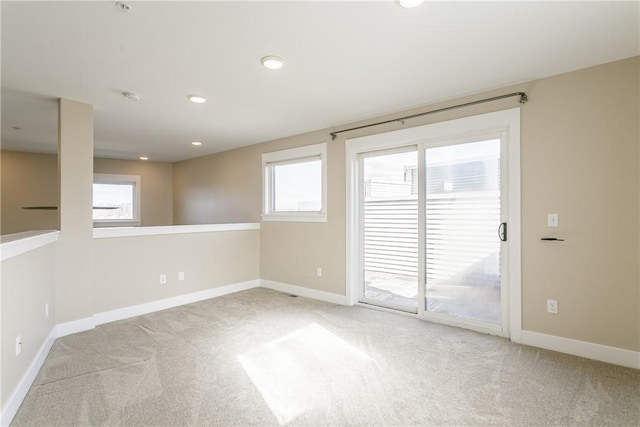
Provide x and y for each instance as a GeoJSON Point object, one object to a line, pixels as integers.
{"type": "Point", "coordinates": [430, 216]}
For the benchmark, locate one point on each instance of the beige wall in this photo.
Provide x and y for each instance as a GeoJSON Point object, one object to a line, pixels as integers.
{"type": "Point", "coordinates": [227, 188]}
{"type": "Point", "coordinates": [127, 269]}
{"type": "Point", "coordinates": [24, 292]}
{"type": "Point", "coordinates": [156, 198]}
{"type": "Point", "coordinates": [74, 299]}
{"type": "Point", "coordinates": [28, 179]}
{"type": "Point", "coordinates": [222, 188]}
{"type": "Point", "coordinates": [579, 158]}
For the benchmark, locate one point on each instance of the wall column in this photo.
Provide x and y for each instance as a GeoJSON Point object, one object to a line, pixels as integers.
{"type": "Point", "coordinates": [74, 294]}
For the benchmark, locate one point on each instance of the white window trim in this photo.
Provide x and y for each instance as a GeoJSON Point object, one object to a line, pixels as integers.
{"type": "Point", "coordinates": [291, 155]}
{"type": "Point", "coordinates": [106, 178]}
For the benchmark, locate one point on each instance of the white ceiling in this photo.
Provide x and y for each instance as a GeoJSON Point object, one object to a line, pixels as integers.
{"type": "Point", "coordinates": [344, 61]}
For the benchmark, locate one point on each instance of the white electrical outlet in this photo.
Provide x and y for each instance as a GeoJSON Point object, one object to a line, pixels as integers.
{"type": "Point", "coordinates": [552, 306]}
{"type": "Point", "coordinates": [319, 271]}
{"type": "Point", "coordinates": [163, 279]}
{"type": "Point", "coordinates": [18, 345]}
{"type": "Point", "coordinates": [181, 276]}
{"type": "Point", "coordinates": [46, 309]}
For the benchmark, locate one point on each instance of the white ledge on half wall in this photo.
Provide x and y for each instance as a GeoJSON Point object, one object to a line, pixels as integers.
{"type": "Point", "coordinates": [18, 243]}
{"type": "Point", "coordinates": [106, 232]}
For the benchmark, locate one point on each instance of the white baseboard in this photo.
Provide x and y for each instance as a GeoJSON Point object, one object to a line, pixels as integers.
{"type": "Point", "coordinates": [603, 353]}
{"type": "Point", "coordinates": [15, 400]}
{"type": "Point", "coordinates": [88, 323]}
{"type": "Point", "coordinates": [304, 292]}
{"type": "Point", "coordinates": [75, 326]}
{"type": "Point", "coordinates": [163, 304]}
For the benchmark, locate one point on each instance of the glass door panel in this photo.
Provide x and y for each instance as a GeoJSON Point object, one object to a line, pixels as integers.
{"type": "Point", "coordinates": [462, 220]}
{"type": "Point", "coordinates": [389, 188]}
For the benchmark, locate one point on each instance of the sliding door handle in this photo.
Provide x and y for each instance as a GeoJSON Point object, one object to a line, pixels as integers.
{"type": "Point", "coordinates": [502, 232]}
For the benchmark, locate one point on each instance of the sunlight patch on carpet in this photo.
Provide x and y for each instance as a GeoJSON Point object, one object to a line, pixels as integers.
{"type": "Point", "coordinates": [306, 369]}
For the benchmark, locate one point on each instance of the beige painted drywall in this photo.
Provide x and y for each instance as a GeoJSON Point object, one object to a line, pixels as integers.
{"type": "Point", "coordinates": [127, 269]}
{"type": "Point", "coordinates": [28, 179]}
{"type": "Point", "coordinates": [156, 182]}
{"type": "Point", "coordinates": [24, 292]}
{"type": "Point", "coordinates": [218, 189]}
{"type": "Point", "coordinates": [579, 158]}
{"type": "Point", "coordinates": [226, 187]}
{"type": "Point", "coordinates": [74, 299]}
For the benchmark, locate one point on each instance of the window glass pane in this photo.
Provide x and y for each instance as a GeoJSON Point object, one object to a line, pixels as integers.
{"type": "Point", "coordinates": [298, 187]}
{"type": "Point", "coordinates": [390, 226]}
{"type": "Point", "coordinates": [113, 201]}
{"type": "Point", "coordinates": [463, 216]}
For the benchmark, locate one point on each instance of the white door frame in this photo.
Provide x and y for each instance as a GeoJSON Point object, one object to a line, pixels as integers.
{"type": "Point", "coordinates": [507, 122]}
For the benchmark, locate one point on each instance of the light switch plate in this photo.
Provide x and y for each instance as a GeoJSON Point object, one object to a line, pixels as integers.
{"type": "Point", "coordinates": [552, 220]}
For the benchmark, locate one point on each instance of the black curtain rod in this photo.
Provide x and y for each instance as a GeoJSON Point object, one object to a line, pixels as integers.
{"type": "Point", "coordinates": [522, 95]}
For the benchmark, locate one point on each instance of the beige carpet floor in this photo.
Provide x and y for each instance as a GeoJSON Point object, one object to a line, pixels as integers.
{"type": "Point", "coordinates": [261, 357]}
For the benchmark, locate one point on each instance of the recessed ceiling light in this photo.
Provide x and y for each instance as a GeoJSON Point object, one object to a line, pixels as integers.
{"type": "Point", "coordinates": [272, 62]}
{"type": "Point", "coordinates": [143, 158]}
{"type": "Point", "coordinates": [197, 99]}
{"type": "Point", "coordinates": [124, 7]}
{"type": "Point", "coordinates": [409, 4]}
{"type": "Point", "coordinates": [196, 143]}
{"type": "Point", "coordinates": [131, 96]}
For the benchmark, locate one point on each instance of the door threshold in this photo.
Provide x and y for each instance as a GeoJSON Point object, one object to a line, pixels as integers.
{"type": "Point", "coordinates": [386, 309]}
{"type": "Point", "coordinates": [470, 325]}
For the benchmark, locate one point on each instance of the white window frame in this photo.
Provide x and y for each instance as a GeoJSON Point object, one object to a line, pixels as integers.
{"type": "Point", "coordinates": [105, 178]}
{"type": "Point", "coordinates": [291, 156]}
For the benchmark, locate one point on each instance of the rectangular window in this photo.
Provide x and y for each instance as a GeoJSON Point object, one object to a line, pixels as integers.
{"type": "Point", "coordinates": [295, 184]}
{"type": "Point", "coordinates": [116, 200]}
